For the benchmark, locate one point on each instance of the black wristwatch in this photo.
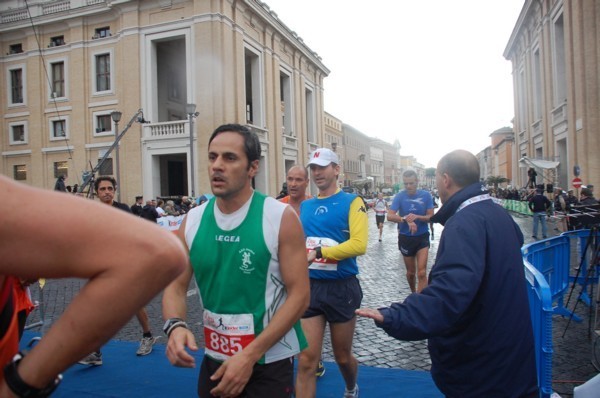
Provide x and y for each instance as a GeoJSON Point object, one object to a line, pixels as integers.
{"type": "Point", "coordinates": [172, 324]}
{"type": "Point", "coordinates": [319, 252]}
{"type": "Point", "coordinates": [21, 389]}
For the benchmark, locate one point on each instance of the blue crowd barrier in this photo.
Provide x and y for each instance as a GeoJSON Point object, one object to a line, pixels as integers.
{"type": "Point", "coordinates": [551, 257]}
{"type": "Point", "coordinates": [540, 307]}
{"type": "Point", "coordinates": [582, 236]}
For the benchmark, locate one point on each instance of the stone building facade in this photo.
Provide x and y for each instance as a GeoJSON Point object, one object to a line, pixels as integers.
{"type": "Point", "coordinates": [501, 153]}
{"type": "Point", "coordinates": [554, 51]}
{"type": "Point", "coordinates": [68, 65]}
{"type": "Point", "coordinates": [357, 150]}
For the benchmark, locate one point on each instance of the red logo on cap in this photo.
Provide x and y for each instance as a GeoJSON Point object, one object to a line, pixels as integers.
{"type": "Point", "coordinates": [316, 155]}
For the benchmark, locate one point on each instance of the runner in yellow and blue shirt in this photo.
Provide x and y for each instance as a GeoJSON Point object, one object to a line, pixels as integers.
{"type": "Point", "coordinates": [336, 229]}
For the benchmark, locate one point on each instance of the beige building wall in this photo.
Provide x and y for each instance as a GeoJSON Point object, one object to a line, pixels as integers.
{"type": "Point", "coordinates": [485, 159]}
{"type": "Point", "coordinates": [357, 146]}
{"type": "Point", "coordinates": [556, 73]}
{"type": "Point", "coordinates": [501, 152]}
{"type": "Point", "coordinates": [236, 61]}
{"type": "Point", "coordinates": [391, 154]}
{"type": "Point", "coordinates": [333, 138]}
{"type": "Point", "coordinates": [384, 168]}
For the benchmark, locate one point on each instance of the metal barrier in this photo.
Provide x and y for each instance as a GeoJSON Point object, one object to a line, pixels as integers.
{"type": "Point", "coordinates": [37, 319]}
{"type": "Point", "coordinates": [551, 257]}
{"type": "Point", "coordinates": [540, 307]}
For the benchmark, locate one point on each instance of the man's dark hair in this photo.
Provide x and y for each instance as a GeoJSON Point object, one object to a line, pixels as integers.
{"type": "Point", "coordinates": [586, 192]}
{"type": "Point", "coordinates": [409, 174]}
{"type": "Point", "coordinates": [251, 141]}
{"type": "Point", "coordinates": [105, 178]}
{"type": "Point", "coordinates": [462, 166]}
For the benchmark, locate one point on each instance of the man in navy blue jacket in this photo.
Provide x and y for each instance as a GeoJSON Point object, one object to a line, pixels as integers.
{"type": "Point", "coordinates": [539, 205]}
{"type": "Point", "coordinates": [475, 310]}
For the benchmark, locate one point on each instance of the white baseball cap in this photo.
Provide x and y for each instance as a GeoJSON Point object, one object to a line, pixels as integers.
{"type": "Point", "coordinates": [323, 157]}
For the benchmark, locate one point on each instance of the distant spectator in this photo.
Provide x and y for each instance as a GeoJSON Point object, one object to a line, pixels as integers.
{"type": "Point", "coordinates": [136, 208]}
{"type": "Point", "coordinates": [571, 199]}
{"type": "Point", "coordinates": [170, 208]}
{"type": "Point", "coordinates": [586, 198]}
{"type": "Point", "coordinates": [201, 199]}
{"type": "Point", "coordinates": [539, 205]}
{"type": "Point", "coordinates": [284, 191]}
{"type": "Point", "coordinates": [560, 209]}
{"type": "Point", "coordinates": [185, 205]}
{"type": "Point", "coordinates": [160, 207]}
{"type": "Point", "coordinates": [60, 183]}
{"type": "Point", "coordinates": [532, 174]}
{"type": "Point", "coordinates": [149, 211]}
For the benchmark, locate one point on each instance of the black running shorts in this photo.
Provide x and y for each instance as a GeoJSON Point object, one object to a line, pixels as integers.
{"type": "Point", "coordinates": [379, 219]}
{"type": "Point", "coordinates": [410, 245]}
{"type": "Point", "coordinates": [275, 379]}
{"type": "Point", "coordinates": [336, 299]}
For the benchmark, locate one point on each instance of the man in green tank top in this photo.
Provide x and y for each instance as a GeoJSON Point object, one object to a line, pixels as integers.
{"type": "Point", "coordinates": [248, 256]}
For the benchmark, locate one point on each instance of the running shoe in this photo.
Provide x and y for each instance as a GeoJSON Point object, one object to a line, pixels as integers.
{"type": "Point", "coordinates": [146, 345]}
{"type": "Point", "coordinates": [320, 369]}
{"type": "Point", "coordinates": [95, 358]}
{"type": "Point", "coordinates": [351, 393]}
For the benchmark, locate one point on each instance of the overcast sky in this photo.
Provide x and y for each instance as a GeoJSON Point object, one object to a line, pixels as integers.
{"type": "Point", "coordinates": [428, 73]}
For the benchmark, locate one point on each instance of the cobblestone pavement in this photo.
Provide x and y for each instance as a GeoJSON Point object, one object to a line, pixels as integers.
{"type": "Point", "coordinates": [383, 282]}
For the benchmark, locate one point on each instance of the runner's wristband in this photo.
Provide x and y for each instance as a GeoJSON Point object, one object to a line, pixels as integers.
{"type": "Point", "coordinates": [21, 389]}
{"type": "Point", "coordinates": [172, 324]}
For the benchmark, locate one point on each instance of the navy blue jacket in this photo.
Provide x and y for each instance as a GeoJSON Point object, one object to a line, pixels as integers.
{"type": "Point", "coordinates": [539, 203]}
{"type": "Point", "coordinates": [475, 311]}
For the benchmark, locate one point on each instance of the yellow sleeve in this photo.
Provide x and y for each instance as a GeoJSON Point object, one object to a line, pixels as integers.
{"type": "Point", "coordinates": [359, 234]}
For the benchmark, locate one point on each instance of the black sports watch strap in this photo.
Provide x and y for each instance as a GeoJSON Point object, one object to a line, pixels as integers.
{"type": "Point", "coordinates": [18, 386]}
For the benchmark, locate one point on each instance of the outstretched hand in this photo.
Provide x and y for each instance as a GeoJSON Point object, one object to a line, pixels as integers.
{"type": "Point", "coordinates": [370, 313]}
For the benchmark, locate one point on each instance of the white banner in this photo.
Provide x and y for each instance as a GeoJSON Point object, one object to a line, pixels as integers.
{"type": "Point", "coordinates": [170, 223]}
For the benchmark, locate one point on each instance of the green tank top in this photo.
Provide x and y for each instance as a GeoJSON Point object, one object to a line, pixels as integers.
{"type": "Point", "coordinates": [240, 285]}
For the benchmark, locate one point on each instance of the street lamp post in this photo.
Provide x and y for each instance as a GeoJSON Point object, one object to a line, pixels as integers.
{"type": "Point", "coordinates": [190, 109]}
{"type": "Point", "coordinates": [116, 117]}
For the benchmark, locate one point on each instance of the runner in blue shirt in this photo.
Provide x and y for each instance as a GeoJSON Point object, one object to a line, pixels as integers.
{"type": "Point", "coordinates": [411, 209]}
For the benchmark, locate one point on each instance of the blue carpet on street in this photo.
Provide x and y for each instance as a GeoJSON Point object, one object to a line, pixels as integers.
{"type": "Point", "coordinates": [124, 374]}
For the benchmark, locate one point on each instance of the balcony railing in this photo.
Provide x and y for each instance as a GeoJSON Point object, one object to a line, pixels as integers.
{"type": "Point", "coordinates": [537, 128]}
{"type": "Point", "coordinates": [290, 142]}
{"type": "Point", "coordinates": [559, 113]}
{"type": "Point", "coordinates": [55, 7]}
{"type": "Point", "coordinates": [47, 8]}
{"type": "Point", "coordinates": [166, 130]}
{"type": "Point", "coordinates": [263, 135]}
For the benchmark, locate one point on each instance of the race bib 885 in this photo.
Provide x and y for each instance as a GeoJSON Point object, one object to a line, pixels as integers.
{"type": "Point", "coordinates": [227, 334]}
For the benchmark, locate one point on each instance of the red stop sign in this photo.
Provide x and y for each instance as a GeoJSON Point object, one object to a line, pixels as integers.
{"type": "Point", "coordinates": [577, 182]}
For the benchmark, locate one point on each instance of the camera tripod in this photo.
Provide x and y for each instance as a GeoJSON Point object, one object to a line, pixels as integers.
{"type": "Point", "coordinates": [593, 248]}
{"type": "Point", "coordinates": [596, 343]}
{"type": "Point", "coordinates": [89, 176]}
